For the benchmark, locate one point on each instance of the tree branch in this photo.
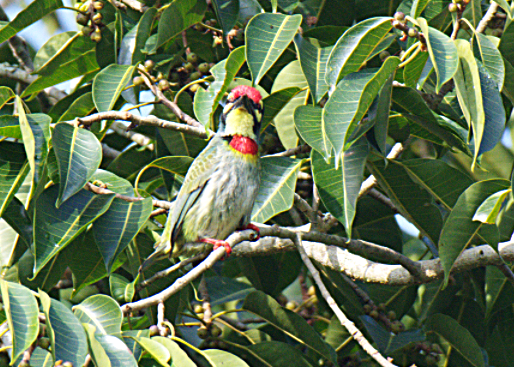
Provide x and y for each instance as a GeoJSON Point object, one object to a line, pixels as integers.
{"type": "Point", "coordinates": [143, 121]}
{"type": "Point", "coordinates": [136, 5]}
{"type": "Point", "coordinates": [347, 323]}
{"type": "Point", "coordinates": [482, 25]}
{"type": "Point", "coordinates": [293, 151]}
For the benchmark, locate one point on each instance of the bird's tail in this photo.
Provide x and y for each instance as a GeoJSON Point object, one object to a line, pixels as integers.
{"type": "Point", "coordinates": [161, 252]}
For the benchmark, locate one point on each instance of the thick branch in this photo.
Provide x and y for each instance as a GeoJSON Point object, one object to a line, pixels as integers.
{"type": "Point", "coordinates": [482, 25]}
{"type": "Point", "coordinates": [347, 323]}
{"type": "Point", "coordinates": [144, 121]}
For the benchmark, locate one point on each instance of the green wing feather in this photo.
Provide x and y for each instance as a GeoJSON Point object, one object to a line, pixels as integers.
{"type": "Point", "coordinates": [197, 177]}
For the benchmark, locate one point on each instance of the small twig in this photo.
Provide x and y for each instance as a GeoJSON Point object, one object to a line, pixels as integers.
{"type": "Point", "coordinates": [371, 181]}
{"type": "Point", "coordinates": [305, 208]}
{"type": "Point", "coordinates": [164, 273]}
{"type": "Point", "coordinates": [136, 5]}
{"type": "Point", "coordinates": [506, 270]}
{"type": "Point", "coordinates": [157, 212]}
{"type": "Point", "coordinates": [140, 139]}
{"type": "Point", "coordinates": [347, 323]}
{"type": "Point", "coordinates": [293, 151]}
{"type": "Point", "coordinates": [488, 16]}
{"type": "Point", "coordinates": [160, 319]}
{"type": "Point", "coordinates": [206, 302]}
{"type": "Point", "coordinates": [143, 121]}
{"type": "Point", "coordinates": [377, 195]}
{"type": "Point", "coordinates": [316, 199]}
{"type": "Point", "coordinates": [87, 361]}
{"type": "Point", "coordinates": [165, 101]}
{"type": "Point", "coordinates": [181, 282]}
{"type": "Point", "coordinates": [28, 353]}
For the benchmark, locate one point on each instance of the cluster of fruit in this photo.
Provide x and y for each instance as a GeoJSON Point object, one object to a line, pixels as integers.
{"type": "Point", "coordinates": [90, 18]}
{"type": "Point", "coordinates": [387, 317]}
{"type": "Point", "coordinates": [431, 351]}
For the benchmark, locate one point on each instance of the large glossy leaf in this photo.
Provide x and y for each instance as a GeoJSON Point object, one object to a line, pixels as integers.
{"type": "Point", "coordinates": [66, 334]}
{"type": "Point", "coordinates": [351, 100]}
{"type": "Point", "coordinates": [313, 59]}
{"type": "Point", "coordinates": [310, 125]}
{"type": "Point", "coordinates": [442, 181]}
{"type": "Point", "coordinates": [155, 350]}
{"type": "Point", "coordinates": [354, 47]}
{"type": "Point", "coordinates": [379, 114]}
{"type": "Point", "coordinates": [13, 169]}
{"type": "Point", "coordinates": [60, 49]}
{"type": "Point", "coordinates": [21, 311]}
{"type": "Point", "coordinates": [290, 76]}
{"type": "Point", "coordinates": [32, 13]}
{"type": "Point", "coordinates": [220, 358]}
{"type": "Point", "coordinates": [488, 53]}
{"type": "Point", "coordinates": [134, 41]}
{"type": "Point", "coordinates": [488, 211]}
{"type": "Point", "coordinates": [206, 101]}
{"type": "Point", "coordinates": [108, 350]}
{"type": "Point", "coordinates": [178, 356]}
{"type": "Point", "coordinates": [178, 16]}
{"type": "Point", "coordinates": [279, 354]}
{"type": "Point", "coordinates": [412, 201]}
{"type": "Point", "coordinates": [115, 229]}
{"type": "Point", "coordinates": [55, 228]}
{"type": "Point", "coordinates": [460, 229]}
{"type": "Point", "coordinates": [79, 154]}
{"type": "Point", "coordinates": [413, 70]}
{"type": "Point", "coordinates": [339, 188]}
{"type": "Point", "coordinates": [227, 12]}
{"type": "Point", "coordinates": [6, 94]}
{"type": "Point", "coordinates": [288, 322]}
{"type": "Point", "coordinates": [278, 182]}
{"type": "Point", "coordinates": [82, 106]}
{"type": "Point", "coordinates": [443, 53]}
{"type": "Point", "coordinates": [267, 37]}
{"type": "Point", "coordinates": [101, 311]}
{"type": "Point", "coordinates": [35, 130]}
{"type": "Point", "coordinates": [274, 103]}
{"type": "Point", "coordinates": [109, 83]}
{"type": "Point", "coordinates": [457, 336]}
{"type": "Point", "coordinates": [82, 65]}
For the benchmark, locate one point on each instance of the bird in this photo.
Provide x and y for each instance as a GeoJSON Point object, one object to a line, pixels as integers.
{"type": "Point", "coordinates": [220, 188]}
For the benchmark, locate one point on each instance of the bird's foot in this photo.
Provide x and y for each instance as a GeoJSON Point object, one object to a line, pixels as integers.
{"type": "Point", "coordinates": [254, 228]}
{"type": "Point", "coordinates": [217, 244]}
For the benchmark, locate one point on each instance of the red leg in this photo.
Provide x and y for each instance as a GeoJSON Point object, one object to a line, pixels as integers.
{"type": "Point", "coordinates": [254, 228]}
{"type": "Point", "coordinates": [217, 243]}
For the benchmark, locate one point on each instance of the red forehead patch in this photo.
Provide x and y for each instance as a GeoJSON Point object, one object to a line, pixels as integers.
{"type": "Point", "coordinates": [250, 92]}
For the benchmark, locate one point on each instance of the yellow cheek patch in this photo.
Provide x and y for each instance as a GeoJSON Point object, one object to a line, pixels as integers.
{"type": "Point", "coordinates": [239, 122]}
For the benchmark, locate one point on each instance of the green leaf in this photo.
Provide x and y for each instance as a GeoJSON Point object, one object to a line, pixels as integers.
{"type": "Point", "coordinates": [178, 16]}
{"type": "Point", "coordinates": [115, 229]}
{"type": "Point", "coordinates": [220, 358]}
{"type": "Point", "coordinates": [178, 356]}
{"type": "Point", "coordinates": [413, 70]}
{"type": "Point", "coordinates": [32, 13]}
{"type": "Point", "coordinates": [505, 6]}
{"type": "Point", "coordinates": [473, 12]}
{"type": "Point", "coordinates": [101, 311]}
{"type": "Point", "coordinates": [488, 211]}
{"type": "Point", "coordinates": [457, 336]}
{"type": "Point", "coordinates": [41, 358]}
{"type": "Point", "coordinates": [313, 59]}
{"type": "Point", "coordinates": [442, 181]}
{"type": "Point", "coordinates": [227, 12]}
{"type": "Point", "coordinates": [310, 125]}
{"type": "Point", "coordinates": [18, 218]}
{"type": "Point", "coordinates": [442, 51]}
{"type": "Point", "coordinates": [85, 64]}
{"type": "Point", "coordinates": [267, 36]}
{"type": "Point", "coordinates": [79, 154]}
{"type": "Point", "coordinates": [460, 229]}
{"type": "Point", "coordinates": [82, 106]}
{"type": "Point", "coordinates": [223, 290]}
{"type": "Point", "coordinates": [13, 169]}
{"type": "Point", "coordinates": [288, 322]}
{"type": "Point", "coordinates": [35, 129]}
{"type": "Point", "coordinates": [354, 47]}
{"type": "Point", "coordinates": [134, 41]}
{"type": "Point", "coordinates": [108, 85]}
{"type": "Point", "coordinates": [59, 50]}
{"type": "Point", "coordinates": [379, 113]}
{"type": "Point", "coordinates": [21, 311]}
{"type": "Point", "coordinates": [388, 342]}
{"type": "Point", "coordinates": [6, 94]}
{"type": "Point", "coordinates": [412, 201]}
{"type": "Point", "coordinates": [56, 228]}
{"type": "Point", "coordinates": [290, 76]}
{"type": "Point", "coordinates": [351, 100]}
{"type": "Point", "coordinates": [279, 354]}
{"type": "Point", "coordinates": [488, 53]}
{"type": "Point", "coordinates": [339, 188]}
{"type": "Point", "coordinates": [274, 103]}
{"type": "Point", "coordinates": [67, 336]}
{"type": "Point", "coordinates": [121, 289]}
{"type": "Point", "coordinates": [108, 350]}
{"type": "Point", "coordinates": [156, 350]}
{"type": "Point", "coordinates": [417, 7]}
{"type": "Point", "coordinates": [276, 192]}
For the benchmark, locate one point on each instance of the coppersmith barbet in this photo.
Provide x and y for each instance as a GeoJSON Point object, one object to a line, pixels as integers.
{"type": "Point", "coordinates": [219, 190]}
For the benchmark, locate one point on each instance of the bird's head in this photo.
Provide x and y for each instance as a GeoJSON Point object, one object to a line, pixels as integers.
{"type": "Point", "coordinates": [242, 113]}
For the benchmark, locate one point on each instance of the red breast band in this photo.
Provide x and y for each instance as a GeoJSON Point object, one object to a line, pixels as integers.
{"type": "Point", "coordinates": [244, 145]}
